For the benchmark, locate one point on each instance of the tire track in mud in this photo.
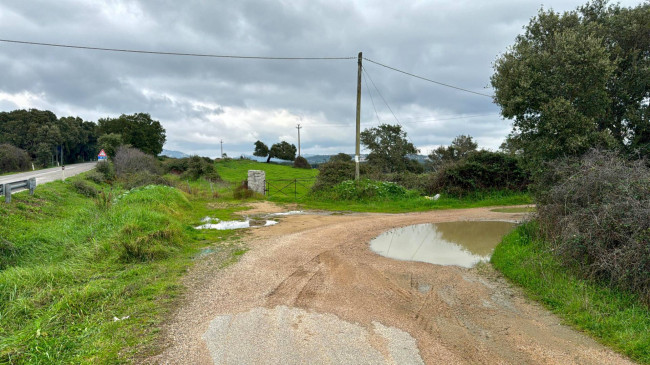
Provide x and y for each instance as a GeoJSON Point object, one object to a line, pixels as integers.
{"type": "Point", "coordinates": [322, 265]}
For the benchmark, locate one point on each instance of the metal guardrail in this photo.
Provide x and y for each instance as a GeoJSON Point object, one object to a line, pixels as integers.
{"type": "Point", "coordinates": [7, 188]}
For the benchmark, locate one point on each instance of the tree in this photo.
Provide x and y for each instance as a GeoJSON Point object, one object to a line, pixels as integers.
{"type": "Point", "coordinates": [261, 150]}
{"type": "Point", "coordinates": [283, 151]}
{"type": "Point", "coordinates": [344, 157]}
{"type": "Point", "coordinates": [137, 130]}
{"type": "Point", "coordinates": [389, 147]}
{"type": "Point", "coordinates": [460, 148]}
{"type": "Point", "coordinates": [577, 80]}
{"type": "Point", "coordinates": [110, 143]}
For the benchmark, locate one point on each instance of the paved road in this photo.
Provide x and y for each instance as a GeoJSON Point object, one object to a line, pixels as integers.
{"type": "Point", "coordinates": [51, 174]}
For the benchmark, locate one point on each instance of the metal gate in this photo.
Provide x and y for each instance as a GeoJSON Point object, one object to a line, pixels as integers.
{"type": "Point", "coordinates": [288, 187]}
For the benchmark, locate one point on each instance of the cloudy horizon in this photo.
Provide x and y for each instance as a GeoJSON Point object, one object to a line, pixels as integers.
{"type": "Point", "coordinates": [201, 101]}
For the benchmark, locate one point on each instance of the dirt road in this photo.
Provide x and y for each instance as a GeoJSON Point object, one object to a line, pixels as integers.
{"type": "Point", "coordinates": [310, 291]}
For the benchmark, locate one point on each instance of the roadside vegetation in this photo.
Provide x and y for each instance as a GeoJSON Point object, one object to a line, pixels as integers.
{"type": "Point", "coordinates": [89, 267]}
{"type": "Point", "coordinates": [575, 85]}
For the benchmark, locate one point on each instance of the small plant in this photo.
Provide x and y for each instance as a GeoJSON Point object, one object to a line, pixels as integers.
{"type": "Point", "coordinates": [96, 176]}
{"type": "Point", "coordinates": [104, 199]}
{"type": "Point", "coordinates": [82, 187]}
{"type": "Point", "coordinates": [8, 253]}
{"type": "Point", "coordinates": [242, 192]}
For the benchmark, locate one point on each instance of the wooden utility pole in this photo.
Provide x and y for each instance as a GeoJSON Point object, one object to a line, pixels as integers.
{"type": "Point", "coordinates": [298, 127]}
{"type": "Point", "coordinates": [357, 156]}
{"type": "Point", "coordinates": [221, 141]}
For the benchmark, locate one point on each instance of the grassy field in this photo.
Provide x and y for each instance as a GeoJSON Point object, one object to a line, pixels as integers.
{"type": "Point", "coordinates": [614, 318]}
{"type": "Point", "coordinates": [235, 171]}
{"type": "Point", "coordinates": [88, 280]}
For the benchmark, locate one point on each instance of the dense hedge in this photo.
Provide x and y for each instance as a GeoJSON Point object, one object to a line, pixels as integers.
{"type": "Point", "coordinates": [596, 213]}
{"type": "Point", "coordinates": [192, 168]}
{"type": "Point", "coordinates": [481, 170]}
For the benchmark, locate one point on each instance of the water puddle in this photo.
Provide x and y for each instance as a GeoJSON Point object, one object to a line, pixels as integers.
{"type": "Point", "coordinates": [453, 243]}
{"type": "Point", "coordinates": [215, 223]}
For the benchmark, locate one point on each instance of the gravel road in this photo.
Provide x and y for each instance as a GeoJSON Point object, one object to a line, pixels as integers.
{"type": "Point", "coordinates": [309, 290]}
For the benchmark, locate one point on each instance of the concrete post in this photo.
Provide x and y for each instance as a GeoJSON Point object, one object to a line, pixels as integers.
{"type": "Point", "coordinates": [257, 181]}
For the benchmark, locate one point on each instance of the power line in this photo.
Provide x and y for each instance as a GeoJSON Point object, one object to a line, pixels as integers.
{"type": "Point", "coordinates": [385, 102]}
{"type": "Point", "coordinates": [426, 79]}
{"type": "Point", "coordinates": [171, 53]}
{"type": "Point", "coordinates": [372, 100]}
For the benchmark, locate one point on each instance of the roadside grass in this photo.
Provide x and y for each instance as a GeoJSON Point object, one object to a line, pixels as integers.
{"type": "Point", "coordinates": [71, 265]}
{"type": "Point", "coordinates": [615, 318]}
{"type": "Point", "coordinates": [417, 204]}
{"type": "Point", "coordinates": [235, 171]}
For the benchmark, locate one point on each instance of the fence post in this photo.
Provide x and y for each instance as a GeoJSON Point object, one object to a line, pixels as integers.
{"type": "Point", "coordinates": [295, 188]}
{"type": "Point", "coordinates": [7, 190]}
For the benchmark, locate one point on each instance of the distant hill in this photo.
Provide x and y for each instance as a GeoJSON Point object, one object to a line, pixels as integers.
{"type": "Point", "coordinates": [173, 154]}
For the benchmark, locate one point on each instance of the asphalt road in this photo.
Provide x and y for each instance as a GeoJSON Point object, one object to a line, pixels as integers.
{"type": "Point", "coordinates": [48, 175]}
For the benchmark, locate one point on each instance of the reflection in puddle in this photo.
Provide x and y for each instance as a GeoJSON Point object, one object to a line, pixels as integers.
{"type": "Point", "coordinates": [454, 243]}
{"type": "Point", "coordinates": [215, 223]}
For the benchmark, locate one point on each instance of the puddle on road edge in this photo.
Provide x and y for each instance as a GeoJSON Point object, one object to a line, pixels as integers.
{"type": "Point", "coordinates": [223, 225]}
{"type": "Point", "coordinates": [451, 243]}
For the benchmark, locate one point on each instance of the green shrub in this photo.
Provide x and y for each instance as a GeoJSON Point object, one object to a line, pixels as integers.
{"type": "Point", "coordinates": [82, 187]}
{"type": "Point", "coordinates": [107, 169]}
{"type": "Point", "coordinates": [96, 177]}
{"type": "Point", "coordinates": [481, 170]}
{"type": "Point", "coordinates": [301, 163]}
{"type": "Point", "coordinates": [409, 180]}
{"type": "Point", "coordinates": [13, 159]}
{"type": "Point", "coordinates": [242, 192]}
{"type": "Point", "coordinates": [139, 179]}
{"type": "Point", "coordinates": [192, 168]}
{"type": "Point", "coordinates": [366, 189]}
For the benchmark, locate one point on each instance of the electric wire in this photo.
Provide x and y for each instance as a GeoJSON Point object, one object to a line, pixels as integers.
{"type": "Point", "coordinates": [371, 98]}
{"type": "Point", "coordinates": [385, 102]}
{"type": "Point", "coordinates": [426, 79]}
{"type": "Point", "coordinates": [171, 53]}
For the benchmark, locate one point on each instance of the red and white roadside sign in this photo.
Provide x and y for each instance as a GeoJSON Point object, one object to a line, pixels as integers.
{"type": "Point", "coordinates": [101, 156]}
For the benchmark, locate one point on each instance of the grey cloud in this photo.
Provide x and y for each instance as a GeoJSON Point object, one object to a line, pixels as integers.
{"type": "Point", "coordinates": [202, 100]}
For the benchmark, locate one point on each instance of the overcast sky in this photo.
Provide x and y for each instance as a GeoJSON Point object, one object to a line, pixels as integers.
{"type": "Point", "coordinates": [201, 101]}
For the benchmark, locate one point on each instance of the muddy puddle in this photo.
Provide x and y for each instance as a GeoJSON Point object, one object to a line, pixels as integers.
{"type": "Point", "coordinates": [453, 243]}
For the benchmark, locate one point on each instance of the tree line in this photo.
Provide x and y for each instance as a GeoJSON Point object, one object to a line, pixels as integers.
{"type": "Point", "coordinates": [47, 140]}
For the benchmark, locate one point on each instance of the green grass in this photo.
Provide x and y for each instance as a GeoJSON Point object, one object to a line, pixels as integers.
{"type": "Point", "coordinates": [615, 318]}
{"type": "Point", "coordinates": [69, 265]}
{"type": "Point", "coordinates": [237, 170]}
{"type": "Point", "coordinates": [417, 204]}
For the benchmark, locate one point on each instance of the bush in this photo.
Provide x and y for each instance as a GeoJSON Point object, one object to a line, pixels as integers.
{"type": "Point", "coordinates": [95, 176]}
{"type": "Point", "coordinates": [82, 187]}
{"type": "Point", "coordinates": [597, 217]}
{"type": "Point", "coordinates": [366, 189]}
{"type": "Point", "coordinates": [242, 192]}
{"type": "Point", "coordinates": [408, 180]}
{"type": "Point", "coordinates": [106, 169]}
{"type": "Point", "coordinates": [482, 170]}
{"type": "Point", "coordinates": [136, 180]}
{"type": "Point", "coordinates": [13, 159]}
{"type": "Point", "coordinates": [129, 160]}
{"type": "Point", "coordinates": [192, 168]}
{"type": "Point", "coordinates": [301, 163]}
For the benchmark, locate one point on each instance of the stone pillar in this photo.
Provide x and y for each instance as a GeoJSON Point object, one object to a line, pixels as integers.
{"type": "Point", "coordinates": [257, 181]}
